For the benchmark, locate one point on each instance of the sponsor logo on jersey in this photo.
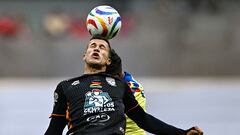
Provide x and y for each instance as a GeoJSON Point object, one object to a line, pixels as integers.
{"type": "Point", "coordinates": [111, 81]}
{"type": "Point", "coordinates": [98, 119]}
{"type": "Point", "coordinates": [95, 84]}
{"type": "Point", "coordinates": [76, 82]}
{"type": "Point", "coordinates": [98, 101]}
{"type": "Point", "coordinates": [55, 96]}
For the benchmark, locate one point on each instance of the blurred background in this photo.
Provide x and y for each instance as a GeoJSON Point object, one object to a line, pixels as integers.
{"type": "Point", "coordinates": [184, 52]}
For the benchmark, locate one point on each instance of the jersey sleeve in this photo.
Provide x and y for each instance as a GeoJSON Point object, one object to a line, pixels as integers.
{"type": "Point", "coordinates": [56, 126]}
{"type": "Point", "coordinates": [136, 89]}
{"type": "Point", "coordinates": [58, 116]}
{"type": "Point", "coordinates": [60, 103]}
{"type": "Point", "coordinates": [129, 100]}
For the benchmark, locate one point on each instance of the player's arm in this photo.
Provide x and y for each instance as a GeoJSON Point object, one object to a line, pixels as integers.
{"type": "Point", "coordinates": [56, 126]}
{"type": "Point", "coordinates": [156, 126]}
{"type": "Point", "coordinates": [58, 116]}
{"type": "Point", "coordinates": [152, 124]}
{"type": "Point", "coordinates": [147, 121]}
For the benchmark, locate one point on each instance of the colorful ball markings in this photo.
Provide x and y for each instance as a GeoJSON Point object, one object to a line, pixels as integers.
{"type": "Point", "coordinates": [104, 21]}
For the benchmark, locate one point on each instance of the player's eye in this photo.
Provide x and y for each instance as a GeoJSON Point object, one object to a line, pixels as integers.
{"type": "Point", "coordinates": [102, 47]}
{"type": "Point", "coordinates": [93, 45]}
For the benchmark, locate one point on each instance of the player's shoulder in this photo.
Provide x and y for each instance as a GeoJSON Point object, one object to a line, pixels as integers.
{"type": "Point", "coordinates": [69, 81]}
{"type": "Point", "coordinates": [128, 77]}
{"type": "Point", "coordinates": [72, 79]}
{"type": "Point", "coordinates": [131, 81]}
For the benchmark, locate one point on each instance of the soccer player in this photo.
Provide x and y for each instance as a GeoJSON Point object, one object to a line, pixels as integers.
{"type": "Point", "coordinates": [115, 68]}
{"type": "Point", "coordinates": [96, 103]}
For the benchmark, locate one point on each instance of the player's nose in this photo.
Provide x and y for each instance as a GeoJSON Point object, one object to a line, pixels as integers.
{"type": "Point", "coordinates": [96, 49]}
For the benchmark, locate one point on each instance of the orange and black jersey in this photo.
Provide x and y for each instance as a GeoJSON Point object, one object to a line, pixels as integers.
{"type": "Point", "coordinates": [95, 104]}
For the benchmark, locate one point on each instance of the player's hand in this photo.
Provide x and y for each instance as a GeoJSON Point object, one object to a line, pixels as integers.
{"type": "Point", "coordinates": [194, 131]}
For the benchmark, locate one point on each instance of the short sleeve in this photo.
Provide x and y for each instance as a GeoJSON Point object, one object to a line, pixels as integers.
{"type": "Point", "coordinates": [129, 100]}
{"type": "Point", "coordinates": [60, 103]}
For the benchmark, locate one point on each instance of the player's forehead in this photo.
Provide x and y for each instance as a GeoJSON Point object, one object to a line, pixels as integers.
{"type": "Point", "coordinates": [99, 42]}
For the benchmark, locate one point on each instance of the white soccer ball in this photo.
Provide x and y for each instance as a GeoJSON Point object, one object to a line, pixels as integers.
{"type": "Point", "coordinates": [104, 21]}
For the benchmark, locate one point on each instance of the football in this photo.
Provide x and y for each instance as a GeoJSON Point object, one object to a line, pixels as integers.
{"type": "Point", "coordinates": [104, 21]}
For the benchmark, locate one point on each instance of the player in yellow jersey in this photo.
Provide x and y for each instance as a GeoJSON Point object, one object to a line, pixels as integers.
{"type": "Point", "coordinates": [115, 68]}
{"type": "Point", "coordinates": [138, 92]}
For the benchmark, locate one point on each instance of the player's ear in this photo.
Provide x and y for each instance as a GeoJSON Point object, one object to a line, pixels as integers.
{"type": "Point", "coordinates": [84, 53]}
{"type": "Point", "coordinates": [109, 61]}
{"type": "Point", "coordinates": [84, 56]}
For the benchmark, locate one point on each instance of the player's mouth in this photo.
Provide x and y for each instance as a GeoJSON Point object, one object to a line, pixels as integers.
{"type": "Point", "coordinates": [95, 55]}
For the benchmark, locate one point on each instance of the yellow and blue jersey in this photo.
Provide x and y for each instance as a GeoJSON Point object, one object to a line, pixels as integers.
{"type": "Point", "coordinates": [138, 92]}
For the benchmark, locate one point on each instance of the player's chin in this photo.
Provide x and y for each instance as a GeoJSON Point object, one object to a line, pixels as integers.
{"type": "Point", "coordinates": [96, 64]}
{"type": "Point", "coordinates": [93, 61]}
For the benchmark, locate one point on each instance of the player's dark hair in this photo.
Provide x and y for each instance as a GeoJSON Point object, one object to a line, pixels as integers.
{"type": "Point", "coordinates": [100, 37]}
{"type": "Point", "coordinates": [115, 68]}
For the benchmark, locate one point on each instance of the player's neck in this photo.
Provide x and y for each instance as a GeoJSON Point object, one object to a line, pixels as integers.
{"type": "Point", "coordinates": [92, 70]}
